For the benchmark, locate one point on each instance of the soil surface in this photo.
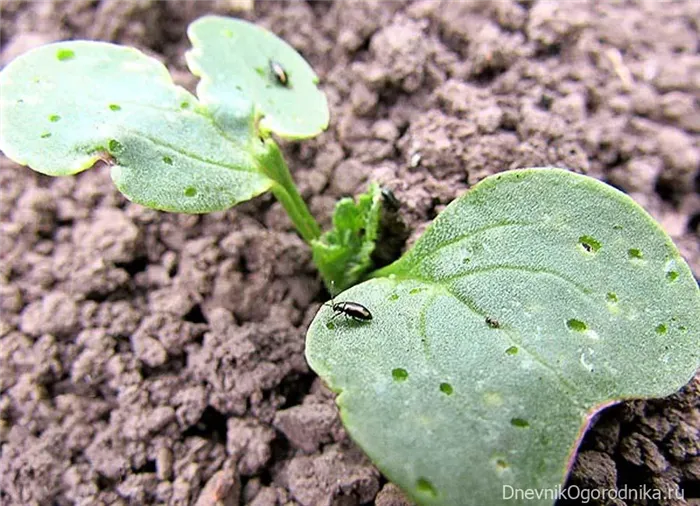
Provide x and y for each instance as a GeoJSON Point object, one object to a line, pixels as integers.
{"type": "Point", "coordinates": [152, 358]}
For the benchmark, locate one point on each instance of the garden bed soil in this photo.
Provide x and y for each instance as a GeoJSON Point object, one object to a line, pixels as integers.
{"type": "Point", "coordinates": [152, 358]}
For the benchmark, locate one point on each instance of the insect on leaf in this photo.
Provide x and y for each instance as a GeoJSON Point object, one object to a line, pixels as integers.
{"type": "Point", "coordinates": [239, 63]}
{"type": "Point", "coordinates": [531, 302]}
{"type": "Point", "coordinates": [65, 106]}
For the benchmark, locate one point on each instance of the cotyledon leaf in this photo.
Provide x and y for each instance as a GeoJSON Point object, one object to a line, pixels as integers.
{"type": "Point", "coordinates": [239, 61]}
{"type": "Point", "coordinates": [65, 106]}
{"type": "Point", "coordinates": [531, 302]}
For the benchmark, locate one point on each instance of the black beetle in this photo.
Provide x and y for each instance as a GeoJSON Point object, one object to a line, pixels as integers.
{"type": "Point", "coordinates": [279, 72]}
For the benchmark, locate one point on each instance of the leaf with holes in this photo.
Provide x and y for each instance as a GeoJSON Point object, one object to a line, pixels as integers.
{"type": "Point", "coordinates": [533, 301]}
{"type": "Point", "coordinates": [65, 106]}
{"type": "Point", "coordinates": [343, 254]}
{"type": "Point", "coordinates": [240, 63]}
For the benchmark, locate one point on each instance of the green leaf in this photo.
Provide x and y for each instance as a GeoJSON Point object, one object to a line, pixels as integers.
{"type": "Point", "coordinates": [531, 302]}
{"type": "Point", "coordinates": [236, 61]}
{"type": "Point", "coordinates": [342, 254]}
{"type": "Point", "coordinates": [65, 106]}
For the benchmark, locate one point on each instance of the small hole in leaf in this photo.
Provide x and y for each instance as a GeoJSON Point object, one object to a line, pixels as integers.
{"type": "Point", "coordinates": [611, 297]}
{"type": "Point", "coordinates": [238, 87]}
{"type": "Point", "coordinates": [617, 227]}
{"type": "Point", "coordinates": [45, 135]}
{"type": "Point", "coordinates": [399, 374]}
{"type": "Point", "coordinates": [672, 275]}
{"type": "Point", "coordinates": [169, 161]}
{"type": "Point", "coordinates": [394, 296]}
{"type": "Point", "coordinates": [54, 118]}
{"type": "Point", "coordinates": [512, 350]}
{"type": "Point", "coordinates": [446, 388]}
{"type": "Point", "coordinates": [520, 423]}
{"type": "Point", "coordinates": [65, 54]}
{"type": "Point", "coordinates": [589, 244]}
{"type": "Point", "coordinates": [20, 101]}
{"type": "Point", "coordinates": [227, 33]}
{"type": "Point", "coordinates": [501, 464]}
{"type": "Point", "coordinates": [414, 291]}
{"type": "Point", "coordinates": [330, 325]}
{"type": "Point", "coordinates": [635, 254]}
{"type": "Point", "coordinates": [466, 260]}
{"type": "Point", "coordinates": [190, 191]}
{"type": "Point", "coordinates": [423, 486]}
{"type": "Point", "coordinates": [661, 329]}
{"type": "Point", "coordinates": [185, 105]}
{"type": "Point", "coordinates": [114, 146]}
{"type": "Point", "coordinates": [260, 71]}
{"type": "Point", "coordinates": [115, 107]}
{"type": "Point", "coordinates": [576, 325]}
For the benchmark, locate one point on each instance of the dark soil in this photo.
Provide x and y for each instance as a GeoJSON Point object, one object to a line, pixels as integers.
{"type": "Point", "coordinates": [152, 358]}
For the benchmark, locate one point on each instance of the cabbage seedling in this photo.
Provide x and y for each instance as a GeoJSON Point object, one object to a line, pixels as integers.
{"type": "Point", "coordinates": [68, 105]}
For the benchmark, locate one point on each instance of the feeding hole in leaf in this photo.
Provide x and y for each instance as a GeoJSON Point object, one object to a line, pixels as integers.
{"type": "Point", "coordinates": [501, 464]}
{"type": "Point", "coordinates": [661, 329]}
{"type": "Point", "coordinates": [423, 486]}
{"type": "Point", "coordinates": [414, 291]}
{"type": "Point", "coordinates": [65, 54]}
{"type": "Point", "coordinates": [520, 423]}
{"type": "Point", "coordinates": [617, 227]}
{"type": "Point", "coordinates": [227, 33]}
{"type": "Point", "coordinates": [672, 275]}
{"type": "Point", "coordinates": [260, 71]}
{"type": "Point", "coordinates": [466, 260]}
{"type": "Point", "coordinates": [611, 297]}
{"type": "Point", "coordinates": [330, 325]}
{"type": "Point", "coordinates": [115, 107]}
{"type": "Point", "coordinates": [589, 244]}
{"type": "Point", "coordinates": [635, 254]}
{"type": "Point", "coordinates": [399, 374]}
{"type": "Point", "coordinates": [45, 135]}
{"type": "Point", "coordinates": [394, 296]}
{"type": "Point", "coordinates": [114, 146]}
{"type": "Point", "coordinates": [169, 161]}
{"type": "Point", "coordinates": [446, 388]}
{"type": "Point", "coordinates": [576, 325]}
{"type": "Point", "coordinates": [190, 191]}
{"type": "Point", "coordinates": [185, 105]}
{"type": "Point", "coordinates": [512, 350]}
{"type": "Point", "coordinates": [54, 118]}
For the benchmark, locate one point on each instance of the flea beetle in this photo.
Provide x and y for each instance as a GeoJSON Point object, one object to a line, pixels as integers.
{"type": "Point", "coordinates": [492, 322]}
{"type": "Point", "coordinates": [279, 72]}
{"type": "Point", "coordinates": [353, 310]}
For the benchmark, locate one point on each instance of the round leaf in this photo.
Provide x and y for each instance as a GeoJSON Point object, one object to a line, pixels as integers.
{"type": "Point", "coordinates": [65, 106]}
{"type": "Point", "coordinates": [532, 301]}
{"type": "Point", "coordinates": [241, 63]}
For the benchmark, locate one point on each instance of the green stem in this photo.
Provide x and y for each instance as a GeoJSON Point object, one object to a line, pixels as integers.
{"type": "Point", "coordinates": [273, 165]}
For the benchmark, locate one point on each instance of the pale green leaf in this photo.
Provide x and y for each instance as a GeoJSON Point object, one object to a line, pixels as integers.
{"type": "Point", "coordinates": [236, 62]}
{"type": "Point", "coordinates": [532, 301]}
{"type": "Point", "coordinates": [65, 106]}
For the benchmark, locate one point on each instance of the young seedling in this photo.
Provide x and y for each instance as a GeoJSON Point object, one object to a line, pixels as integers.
{"type": "Point", "coordinates": [68, 105]}
{"type": "Point", "coordinates": [531, 302]}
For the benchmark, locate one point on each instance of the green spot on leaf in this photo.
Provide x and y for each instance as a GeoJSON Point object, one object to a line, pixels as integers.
{"type": "Point", "coordinates": [589, 244]}
{"type": "Point", "coordinates": [64, 54]}
{"type": "Point", "coordinates": [661, 329]}
{"type": "Point", "coordinates": [635, 254]}
{"type": "Point", "coordinates": [399, 374]}
{"type": "Point", "coordinates": [115, 107]}
{"type": "Point", "coordinates": [54, 118]}
{"type": "Point", "coordinates": [185, 105]}
{"type": "Point", "coordinates": [190, 191]}
{"type": "Point", "coordinates": [446, 388]}
{"type": "Point", "coordinates": [576, 325]}
{"type": "Point", "coordinates": [425, 487]}
{"type": "Point", "coordinates": [520, 423]}
{"type": "Point", "coordinates": [512, 350]}
{"type": "Point", "coordinates": [169, 161]}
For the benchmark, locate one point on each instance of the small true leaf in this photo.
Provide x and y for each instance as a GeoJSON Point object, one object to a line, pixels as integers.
{"type": "Point", "coordinates": [342, 254]}
{"type": "Point", "coordinates": [239, 63]}
{"type": "Point", "coordinates": [65, 106]}
{"type": "Point", "coordinates": [522, 392]}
